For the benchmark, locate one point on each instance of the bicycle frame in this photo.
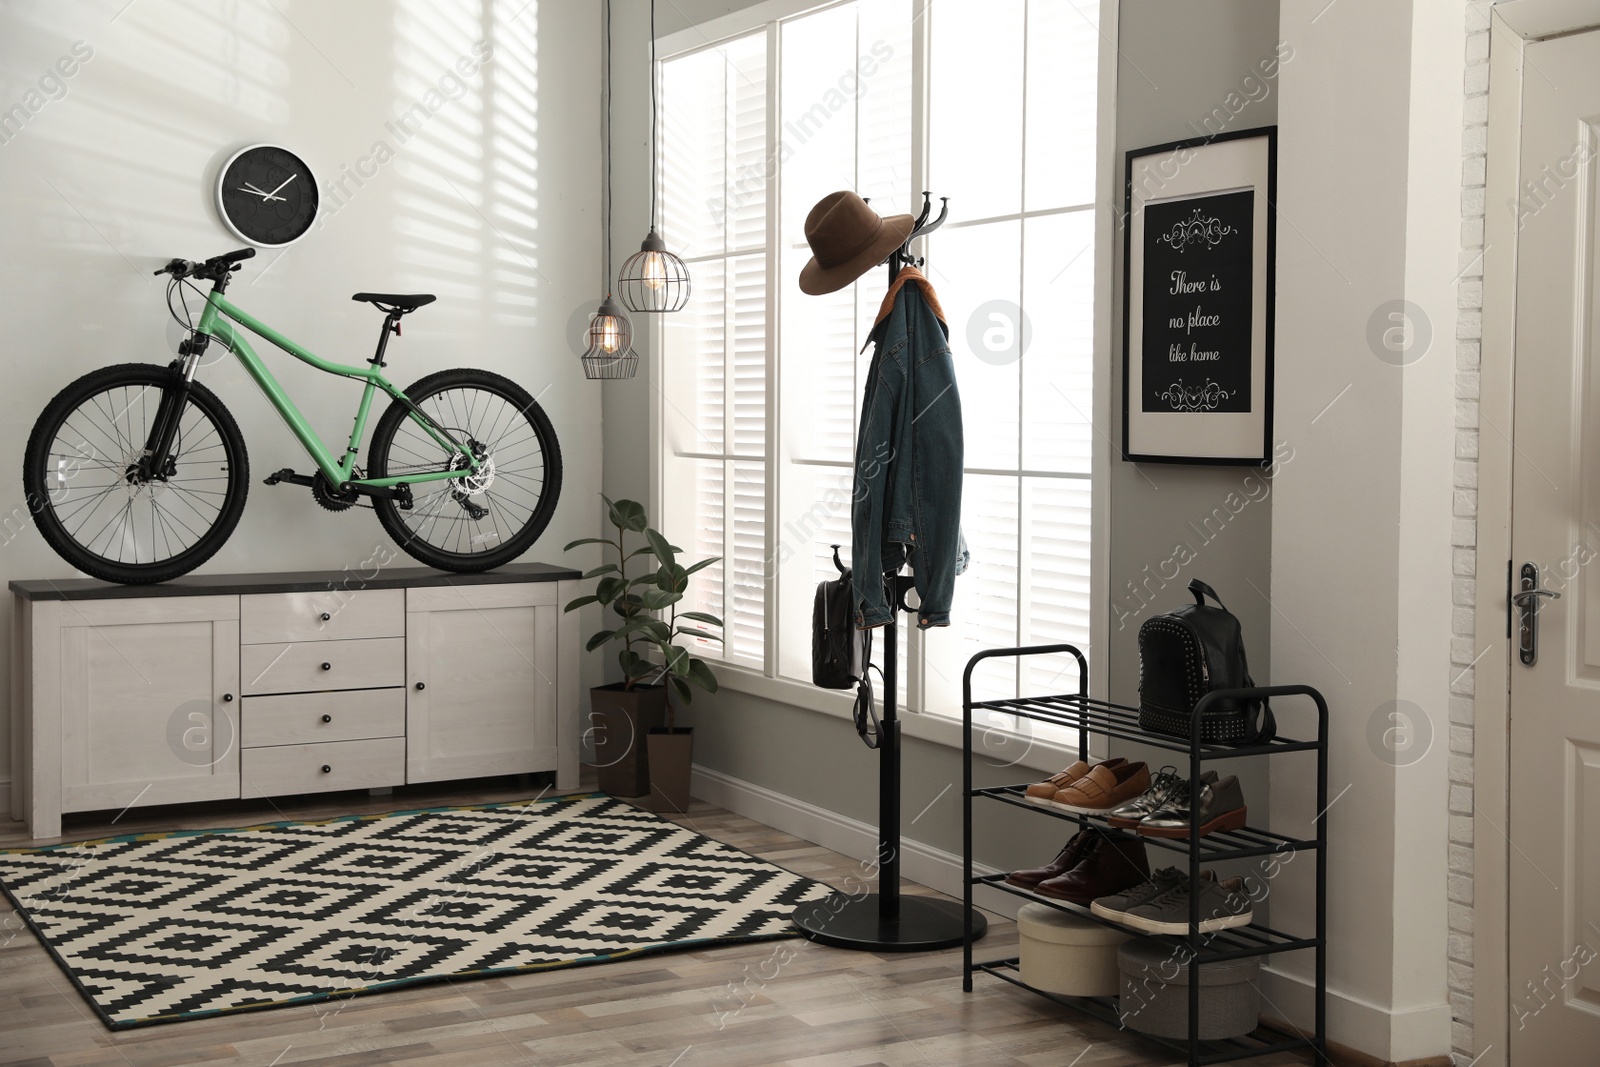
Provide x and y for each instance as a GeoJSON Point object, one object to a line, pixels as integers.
{"type": "Point", "coordinates": [214, 323]}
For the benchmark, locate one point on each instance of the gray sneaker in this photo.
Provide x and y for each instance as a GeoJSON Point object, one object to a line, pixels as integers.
{"type": "Point", "coordinates": [1115, 906]}
{"type": "Point", "coordinates": [1168, 785]}
{"type": "Point", "coordinates": [1223, 905]}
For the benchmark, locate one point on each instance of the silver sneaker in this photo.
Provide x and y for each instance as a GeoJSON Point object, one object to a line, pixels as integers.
{"type": "Point", "coordinates": [1223, 905]}
{"type": "Point", "coordinates": [1167, 786]}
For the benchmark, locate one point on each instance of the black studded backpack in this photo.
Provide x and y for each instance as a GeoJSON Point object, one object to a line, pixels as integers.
{"type": "Point", "coordinates": [1187, 653]}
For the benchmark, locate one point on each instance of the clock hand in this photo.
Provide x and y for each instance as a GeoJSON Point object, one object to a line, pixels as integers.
{"type": "Point", "coordinates": [248, 188]}
{"type": "Point", "coordinates": [274, 194]}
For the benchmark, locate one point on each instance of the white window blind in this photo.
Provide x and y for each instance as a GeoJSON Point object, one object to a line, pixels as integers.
{"type": "Point", "coordinates": [1006, 92]}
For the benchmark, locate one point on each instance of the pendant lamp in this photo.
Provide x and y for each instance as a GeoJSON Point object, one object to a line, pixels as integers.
{"type": "Point", "coordinates": [654, 279]}
{"type": "Point", "coordinates": [610, 336]}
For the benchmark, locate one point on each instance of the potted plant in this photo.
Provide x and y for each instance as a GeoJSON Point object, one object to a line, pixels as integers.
{"type": "Point", "coordinates": [638, 747]}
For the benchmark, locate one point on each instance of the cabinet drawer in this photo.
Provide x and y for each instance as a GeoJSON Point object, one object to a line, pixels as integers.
{"type": "Point", "coordinates": [304, 718]}
{"type": "Point", "coordinates": [325, 615]}
{"type": "Point", "coordinates": [319, 666]}
{"type": "Point", "coordinates": [322, 768]}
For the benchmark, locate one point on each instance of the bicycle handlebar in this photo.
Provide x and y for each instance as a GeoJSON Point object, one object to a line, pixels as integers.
{"type": "Point", "coordinates": [211, 268]}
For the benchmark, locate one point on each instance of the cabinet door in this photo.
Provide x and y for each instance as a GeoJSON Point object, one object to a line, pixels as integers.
{"type": "Point", "coordinates": [148, 700]}
{"type": "Point", "coordinates": [481, 695]}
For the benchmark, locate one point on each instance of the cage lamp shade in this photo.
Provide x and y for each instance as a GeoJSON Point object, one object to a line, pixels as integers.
{"type": "Point", "coordinates": [654, 279]}
{"type": "Point", "coordinates": [610, 353]}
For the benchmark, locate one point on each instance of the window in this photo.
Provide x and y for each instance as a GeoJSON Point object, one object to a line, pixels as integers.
{"type": "Point", "coordinates": [762, 385]}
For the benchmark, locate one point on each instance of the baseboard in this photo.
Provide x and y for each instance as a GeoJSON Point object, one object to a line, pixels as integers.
{"type": "Point", "coordinates": [920, 863]}
{"type": "Point", "coordinates": [1344, 1056]}
{"type": "Point", "coordinates": [5, 797]}
{"type": "Point", "coordinates": [1412, 1036]}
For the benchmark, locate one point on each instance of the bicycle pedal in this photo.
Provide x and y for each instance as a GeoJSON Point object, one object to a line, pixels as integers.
{"type": "Point", "coordinates": [288, 475]}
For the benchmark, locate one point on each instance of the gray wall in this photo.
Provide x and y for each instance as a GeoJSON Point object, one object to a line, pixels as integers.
{"type": "Point", "coordinates": [113, 173]}
{"type": "Point", "coordinates": [1188, 69]}
{"type": "Point", "coordinates": [1179, 59]}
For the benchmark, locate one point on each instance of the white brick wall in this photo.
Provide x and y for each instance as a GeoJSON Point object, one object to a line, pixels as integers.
{"type": "Point", "coordinates": [1468, 334]}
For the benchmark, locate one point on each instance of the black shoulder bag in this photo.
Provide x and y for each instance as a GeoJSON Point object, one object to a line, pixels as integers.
{"type": "Point", "coordinates": [1187, 653]}
{"type": "Point", "coordinates": [841, 654]}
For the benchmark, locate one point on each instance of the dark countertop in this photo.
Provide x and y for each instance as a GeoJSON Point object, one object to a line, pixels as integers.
{"type": "Point", "coordinates": [287, 582]}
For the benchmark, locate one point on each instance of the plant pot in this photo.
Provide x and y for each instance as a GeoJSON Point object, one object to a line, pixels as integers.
{"type": "Point", "coordinates": [671, 756]}
{"type": "Point", "coordinates": [619, 721]}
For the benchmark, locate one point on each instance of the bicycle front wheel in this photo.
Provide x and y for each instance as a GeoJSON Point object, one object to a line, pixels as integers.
{"type": "Point", "coordinates": [92, 491]}
{"type": "Point", "coordinates": [487, 518]}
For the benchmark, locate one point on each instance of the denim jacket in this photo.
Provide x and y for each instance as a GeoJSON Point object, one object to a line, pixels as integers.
{"type": "Point", "coordinates": [907, 502]}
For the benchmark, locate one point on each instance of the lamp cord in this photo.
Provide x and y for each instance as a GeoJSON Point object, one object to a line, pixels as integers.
{"type": "Point", "coordinates": [655, 122]}
{"type": "Point", "coordinates": [606, 216]}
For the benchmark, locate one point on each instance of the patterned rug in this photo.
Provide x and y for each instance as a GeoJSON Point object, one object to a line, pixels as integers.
{"type": "Point", "coordinates": [159, 928]}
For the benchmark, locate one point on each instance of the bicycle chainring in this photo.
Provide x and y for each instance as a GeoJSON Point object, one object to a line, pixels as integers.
{"type": "Point", "coordinates": [328, 495]}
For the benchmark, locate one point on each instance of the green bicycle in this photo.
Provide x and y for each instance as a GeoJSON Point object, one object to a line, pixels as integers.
{"type": "Point", "coordinates": [137, 473]}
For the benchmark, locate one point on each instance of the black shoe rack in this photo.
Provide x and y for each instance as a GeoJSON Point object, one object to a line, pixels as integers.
{"type": "Point", "coordinates": [1077, 711]}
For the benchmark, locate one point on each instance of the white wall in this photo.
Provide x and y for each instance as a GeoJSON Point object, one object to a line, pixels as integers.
{"type": "Point", "coordinates": [492, 205]}
{"type": "Point", "coordinates": [1368, 172]}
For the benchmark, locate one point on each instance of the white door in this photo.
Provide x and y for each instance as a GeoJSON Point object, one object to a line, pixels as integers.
{"type": "Point", "coordinates": [1554, 741]}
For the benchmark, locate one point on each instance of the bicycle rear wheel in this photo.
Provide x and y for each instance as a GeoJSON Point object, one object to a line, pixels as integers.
{"type": "Point", "coordinates": [488, 518]}
{"type": "Point", "coordinates": [101, 509]}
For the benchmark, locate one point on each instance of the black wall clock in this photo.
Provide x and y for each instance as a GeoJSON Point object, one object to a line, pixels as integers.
{"type": "Point", "coordinates": [267, 195]}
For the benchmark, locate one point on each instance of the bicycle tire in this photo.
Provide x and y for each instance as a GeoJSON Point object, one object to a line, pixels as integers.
{"type": "Point", "coordinates": [54, 504]}
{"type": "Point", "coordinates": [416, 530]}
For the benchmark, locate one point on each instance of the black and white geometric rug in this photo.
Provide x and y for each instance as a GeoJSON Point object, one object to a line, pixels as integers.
{"type": "Point", "coordinates": [158, 928]}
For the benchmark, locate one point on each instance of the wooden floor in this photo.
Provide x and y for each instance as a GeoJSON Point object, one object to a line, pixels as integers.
{"type": "Point", "coordinates": [783, 1002]}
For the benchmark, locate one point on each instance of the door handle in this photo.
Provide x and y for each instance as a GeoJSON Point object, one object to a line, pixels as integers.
{"type": "Point", "coordinates": [1527, 600]}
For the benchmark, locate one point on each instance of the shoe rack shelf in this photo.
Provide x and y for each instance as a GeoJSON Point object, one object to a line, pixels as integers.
{"type": "Point", "coordinates": [1090, 717]}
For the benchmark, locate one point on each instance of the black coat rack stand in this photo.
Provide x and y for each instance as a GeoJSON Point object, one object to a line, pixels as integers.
{"type": "Point", "coordinates": [886, 921]}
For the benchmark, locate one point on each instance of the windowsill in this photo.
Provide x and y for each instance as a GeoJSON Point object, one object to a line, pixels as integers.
{"type": "Point", "coordinates": [1000, 747]}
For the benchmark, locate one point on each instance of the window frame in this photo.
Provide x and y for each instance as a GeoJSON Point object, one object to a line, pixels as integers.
{"type": "Point", "coordinates": [768, 684]}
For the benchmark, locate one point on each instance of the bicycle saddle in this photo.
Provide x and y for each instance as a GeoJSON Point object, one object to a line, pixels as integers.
{"type": "Point", "coordinates": [394, 301]}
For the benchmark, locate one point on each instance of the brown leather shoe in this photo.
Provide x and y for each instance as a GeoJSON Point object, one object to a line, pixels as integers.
{"type": "Point", "coordinates": [1104, 788]}
{"type": "Point", "coordinates": [1065, 860]}
{"type": "Point", "coordinates": [1044, 792]}
{"type": "Point", "coordinates": [1113, 865]}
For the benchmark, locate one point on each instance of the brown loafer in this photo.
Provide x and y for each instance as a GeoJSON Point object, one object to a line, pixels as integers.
{"type": "Point", "coordinates": [1044, 792]}
{"type": "Point", "coordinates": [1103, 788]}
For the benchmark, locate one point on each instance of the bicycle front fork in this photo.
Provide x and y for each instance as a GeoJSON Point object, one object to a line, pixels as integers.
{"type": "Point", "coordinates": [156, 463]}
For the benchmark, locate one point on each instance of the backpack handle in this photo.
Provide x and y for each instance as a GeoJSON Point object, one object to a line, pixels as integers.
{"type": "Point", "coordinates": [1201, 590]}
{"type": "Point", "coordinates": [837, 562]}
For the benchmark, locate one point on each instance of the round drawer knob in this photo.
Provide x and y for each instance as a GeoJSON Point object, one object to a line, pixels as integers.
{"type": "Point", "coordinates": [327, 666]}
{"type": "Point", "coordinates": [326, 617]}
{"type": "Point", "coordinates": [227, 698]}
{"type": "Point", "coordinates": [326, 769]}
{"type": "Point", "coordinates": [422, 685]}
{"type": "Point", "coordinates": [327, 718]}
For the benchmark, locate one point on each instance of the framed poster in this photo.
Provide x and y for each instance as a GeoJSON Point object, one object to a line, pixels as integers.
{"type": "Point", "coordinates": [1200, 243]}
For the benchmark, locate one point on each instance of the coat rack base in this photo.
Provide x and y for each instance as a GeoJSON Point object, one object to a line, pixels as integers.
{"type": "Point", "coordinates": [924, 924]}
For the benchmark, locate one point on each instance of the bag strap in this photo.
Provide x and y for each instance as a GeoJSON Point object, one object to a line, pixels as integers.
{"type": "Point", "coordinates": [865, 713]}
{"type": "Point", "coordinates": [1268, 727]}
{"type": "Point", "coordinates": [1201, 590]}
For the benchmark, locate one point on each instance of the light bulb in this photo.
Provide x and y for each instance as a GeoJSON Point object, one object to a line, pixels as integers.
{"type": "Point", "coordinates": [610, 335]}
{"type": "Point", "coordinates": [655, 270]}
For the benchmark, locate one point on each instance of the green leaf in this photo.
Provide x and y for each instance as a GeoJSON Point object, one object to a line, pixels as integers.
{"type": "Point", "coordinates": [703, 564]}
{"type": "Point", "coordinates": [700, 616]}
{"type": "Point", "coordinates": [591, 541]}
{"type": "Point", "coordinates": [642, 550]}
{"type": "Point", "coordinates": [628, 606]}
{"type": "Point", "coordinates": [628, 514]}
{"type": "Point", "coordinates": [628, 659]}
{"type": "Point", "coordinates": [605, 568]}
{"type": "Point", "coordinates": [642, 668]}
{"type": "Point", "coordinates": [661, 546]}
{"type": "Point", "coordinates": [701, 673]}
{"type": "Point", "coordinates": [580, 602]}
{"type": "Point", "coordinates": [656, 599]}
{"type": "Point", "coordinates": [599, 639]}
{"type": "Point", "coordinates": [642, 579]}
{"type": "Point", "coordinates": [677, 660]}
{"type": "Point", "coordinates": [691, 632]}
{"type": "Point", "coordinates": [681, 687]}
{"type": "Point", "coordinates": [673, 579]}
{"type": "Point", "coordinates": [609, 589]}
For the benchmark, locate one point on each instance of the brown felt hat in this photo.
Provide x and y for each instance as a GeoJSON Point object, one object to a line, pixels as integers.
{"type": "Point", "coordinates": [847, 239]}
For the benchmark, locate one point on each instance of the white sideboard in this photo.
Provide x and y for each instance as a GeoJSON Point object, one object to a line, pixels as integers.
{"type": "Point", "coordinates": [215, 687]}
